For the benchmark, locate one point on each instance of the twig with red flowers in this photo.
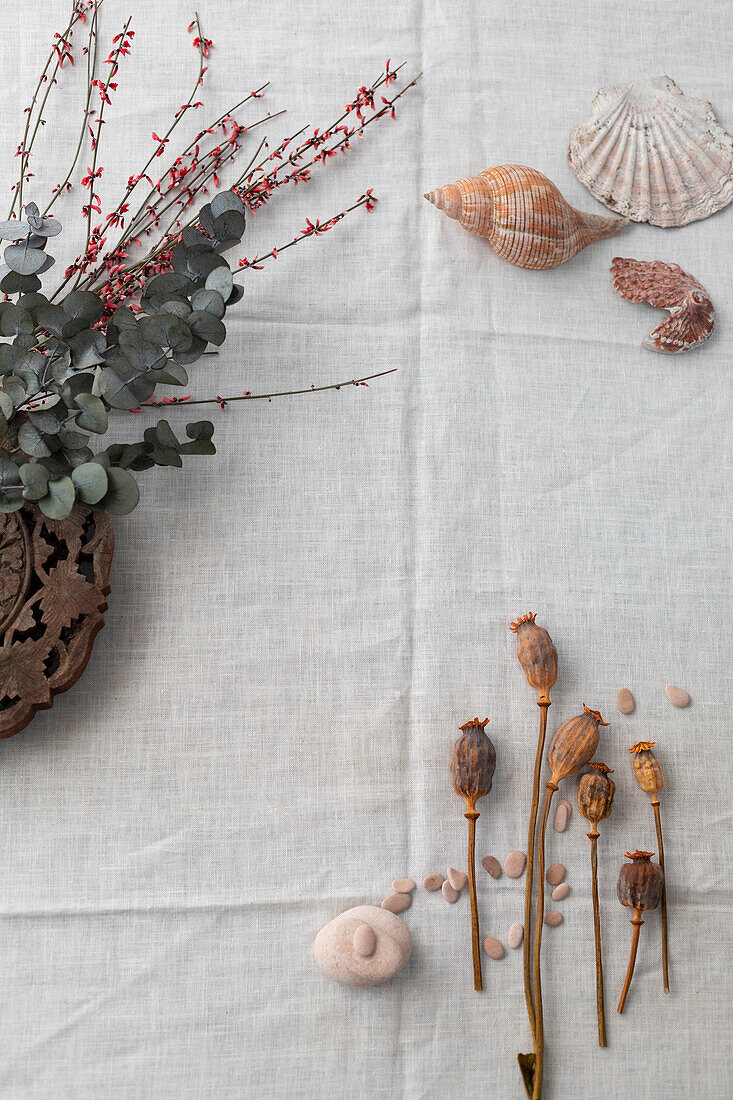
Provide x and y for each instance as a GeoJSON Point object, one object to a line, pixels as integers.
{"type": "Point", "coordinates": [61, 51]}
{"type": "Point", "coordinates": [222, 402]}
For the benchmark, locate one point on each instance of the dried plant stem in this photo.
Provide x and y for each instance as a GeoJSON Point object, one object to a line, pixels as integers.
{"type": "Point", "coordinates": [539, 1035]}
{"type": "Point", "coordinates": [637, 923]}
{"type": "Point", "coordinates": [475, 936]}
{"type": "Point", "coordinates": [660, 846]}
{"type": "Point", "coordinates": [544, 705]}
{"type": "Point", "coordinates": [593, 837]}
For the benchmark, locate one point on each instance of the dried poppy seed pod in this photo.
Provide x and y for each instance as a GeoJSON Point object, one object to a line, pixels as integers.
{"type": "Point", "coordinates": [647, 769]}
{"type": "Point", "coordinates": [474, 761]}
{"type": "Point", "coordinates": [574, 745]}
{"type": "Point", "coordinates": [595, 794]}
{"type": "Point", "coordinates": [640, 882]}
{"type": "Point", "coordinates": [537, 654]}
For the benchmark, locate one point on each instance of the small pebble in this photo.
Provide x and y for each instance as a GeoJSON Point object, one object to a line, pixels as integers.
{"type": "Point", "coordinates": [562, 815]}
{"type": "Point", "coordinates": [449, 893]}
{"type": "Point", "coordinates": [553, 918]}
{"type": "Point", "coordinates": [365, 941]}
{"type": "Point", "coordinates": [625, 701]}
{"type": "Point", "coordinates": [493, 948]}
{"type": "Point", "coordinates": [433, 881]}
{"type": "Point", "coordinates": [403, 886]}
{"type": "Point", "coordinates": [397, 903]}
{"type": "Point", "coordinates": [676, 696]}
{"type": "Point", "coordinates": [555, 874]}
{"type": "Point", "coordinates": [492, 866]}
{"type": "Point", "coordinates": [457, 879]}
{"type": "Point", "coordinates": [560, 891]}
{"type": "Point", "coordinates": [514, 864]}
{"type": "Point", "coordinates": [515, 935]}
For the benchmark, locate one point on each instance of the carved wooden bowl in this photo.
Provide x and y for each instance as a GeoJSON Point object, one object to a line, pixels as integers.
{"type": "Point", "coordinates": [54, 580]}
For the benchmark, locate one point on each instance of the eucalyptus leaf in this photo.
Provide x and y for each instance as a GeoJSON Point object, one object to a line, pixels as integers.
{"type": "Point", "coordinates": [35, 479]}
{"type": "Point", "coordinates": [207, 327]}
{"type": "Point", "coordinates": [14, 230]}
{"type": "Point", "coordinates": [46, 422]}
{"type": "Point", "coordinates": [123, 387]}
{"type": "Point", "coordinates": [52, 318]}
{"type": "Point", "coordinates": [7, 408]}
{"type": "Point", "coordinates": [123, 493]}
{"type": "Point", "coordinates": [90, 481]}
{"type": "Point", "coordinates": [209, 301]}
{"type": "Point", "coordinates": [226, 200]}
{"type": "Point", "coordinates": [220, 280]}
{"type": "Point", "coordinates": [93, 416]}
{"type": "Point", "coordinates": [59, 500]}
{"type": "Point", "coordinates": [166, 456]}
{"type": "Point", "coordinates": [9, 474]}
{"type": "Point", "coordinates": [87, 347]}
{"type": "Point", "coordinates": [71, 440]}
{"type": "Point", "coordinates": [10, 503]}
{"type": "Point", "coordinates": [13, 283]}
{"type": "Point", "coordinates": [23, 259]}
{"type": "Point", "coordinates": [15, 320]}
{"type": "Point", "coordinates": [83, 304]}
{"type": "Point", "coordinates": [32, 441]}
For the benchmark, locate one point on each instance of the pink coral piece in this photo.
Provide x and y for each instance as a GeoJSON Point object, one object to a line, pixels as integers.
{"type": "Point", "coordinates": [691, 314]}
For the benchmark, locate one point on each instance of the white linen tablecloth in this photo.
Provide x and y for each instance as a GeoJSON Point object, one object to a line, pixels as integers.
{"type": "Point", "coordinates": [298, 626]}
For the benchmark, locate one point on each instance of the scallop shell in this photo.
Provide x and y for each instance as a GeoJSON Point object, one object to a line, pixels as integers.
{"type": "Point", "coordinates": [691, 314]}
{"type": "Point", "coordinates": [654, 154]}
{"type": "Point", "coordinates": [523, 215]}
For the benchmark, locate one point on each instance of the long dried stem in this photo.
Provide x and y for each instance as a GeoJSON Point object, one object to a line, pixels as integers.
{"type": "Point", "coordinates": [593, 837]}
{"type": "Point", "coordinates": [475, 936]}
{"type": "Point", "coordinates": [544, 705]}
{"type": "Point", "coordinates": [660, 845]}
{"type": "Point", "coordinates": [637, 923]}
{"type": "Point", "coordinates": [539, 1031]}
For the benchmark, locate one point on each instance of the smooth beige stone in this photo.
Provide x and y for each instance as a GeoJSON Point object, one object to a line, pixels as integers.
{"type": "Point", "coordinates": [555, 874]}
{"type": "Point", "coordinates": [625, 701]}
{"type": "Point", "coordinates": [560, 891]}
{"type": "Point", "coordinates": [403, 885]}
{"type": "Point", "coordinates": [365, 941]}
{"type": "Point", "coordinates": [457, 879]}
{"type": "Point", "coordinates": [515, 935]}
{"type": "Point", "coordinates": [553, 918]}
{"type": "Point", "coordinates": [449, 893]}
{"type": "Point", "coordinates": [514, 864]}
{"type": "Point", "coordinates": [493, 948]}
{"type": "Point", "coordinates": [676, 696]}
{"type": "Point", "coordinates": [333, 948]}
{"type": "Point", "coordinates": [492, 866]}
{"type": "Point", "coordinates": [433, 881]}
{"type": "Point", "coordinates": [562, 815]}
{"type": "Point", "coordinates": [397, 903]}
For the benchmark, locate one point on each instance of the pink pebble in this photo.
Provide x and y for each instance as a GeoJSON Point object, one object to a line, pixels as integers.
{"type": "Point", "coordinates": [493, 948]}
{"type": "Point", "coordinates": [397, 903]}
{"type": "Point", "coordinates": [449, 893]}
{"type": "Point", "coordinates": [457, 879]}
{"type": "Point", "coordinates": [403, 885]}
{"type": "Point", "coordinates": [560, 891]}
{"type": "Point", "coordinates": [553, 918]}
{"type": "Point", "coordinates": [676, 696]}
{"type": "Point", "coordinates": [625, 701]}
{"type": "Point", "coordinates": [514, 864]}
{"type": "Point", "coordinates": [515, 935]}
{"type": "Point", "coordinates": [555, 874]}
{"type": "Point", "coordinates": [492, 866]}
{"type": "Point", "coordinates": [433, 881]}
{"type": "Point", "coordinates": [562, 815]}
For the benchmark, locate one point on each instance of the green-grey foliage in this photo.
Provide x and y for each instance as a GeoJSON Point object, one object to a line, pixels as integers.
{"type": "Point", "coordinates": [65, 364]}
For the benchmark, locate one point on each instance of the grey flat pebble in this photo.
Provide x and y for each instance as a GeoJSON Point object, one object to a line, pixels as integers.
{"type": "Point", "coordinates": [676, 696]}
{"type": "Point", "coordinates": [562, 815]}
{"type": "Point", "coordinates": [397, 903]}
{"type": "Point", "coordinates": [553, 918]}
{"type": "Point", "coordinates": [514, 864]}
{"type": "Point", "coordinates": [403, 886]}
{"type": "Point", "coordinates": [433, 881]}
{"type": "Point", "coordinates": [493, 948]}
{"type": "Point", "coordinates": [449, 893]}
{"type": "Point", "coordinates": [625, 701]}
{"type": "Point", "coordinates": [560, 891]}
{"type": "Point", "coordinates": [555, 874]}
{"type": "Point", "coordinates": [515, 935]}
{"type": "Point", "coordinates": [457, 879]}
{"type": "Point", "coordinates": [365, 941]}
{"type": "Point", "coordinates": [492, 866]}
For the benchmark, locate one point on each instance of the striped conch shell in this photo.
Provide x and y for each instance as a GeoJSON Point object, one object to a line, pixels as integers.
{"type": "Point", "coordinates": [523, 215]}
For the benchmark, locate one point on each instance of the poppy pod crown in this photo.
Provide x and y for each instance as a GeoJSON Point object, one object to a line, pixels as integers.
{"type": "Point", "coordinates": [574, 744]}
{"type": "Point", "coordinates": [536, 653]}
{"type": "Point", "coordinates": [595, 793]}
{"type": "Point", "coordinates": [647, 769]}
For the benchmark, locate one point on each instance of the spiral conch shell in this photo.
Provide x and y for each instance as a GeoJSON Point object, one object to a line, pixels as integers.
{"type": "Point", "coordinates": [523, 215]}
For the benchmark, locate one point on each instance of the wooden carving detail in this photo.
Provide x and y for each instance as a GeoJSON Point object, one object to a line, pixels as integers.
{"type": "Point", "coordinates": [54, 580]}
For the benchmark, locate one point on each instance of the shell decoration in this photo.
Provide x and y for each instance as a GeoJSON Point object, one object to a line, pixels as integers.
{"type": "Point", "coordinates": [691, 314]}
{"type": "Point", "coordinates": [523, 216]}
{"type": "Point", "coordinates": [653, 154]}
